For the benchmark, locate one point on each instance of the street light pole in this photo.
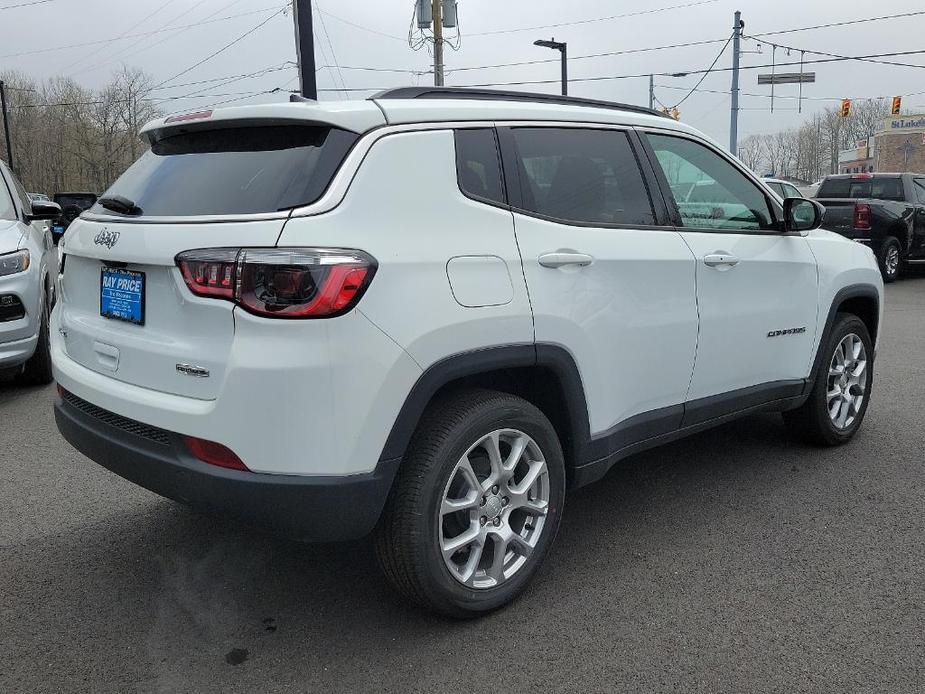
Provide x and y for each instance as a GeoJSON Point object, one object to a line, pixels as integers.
{"type": "Point", "coordinates": [563, 51]}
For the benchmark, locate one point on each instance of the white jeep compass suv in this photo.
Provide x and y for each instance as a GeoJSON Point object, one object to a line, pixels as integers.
{"type": "Point", "coordinates": [428, 314]}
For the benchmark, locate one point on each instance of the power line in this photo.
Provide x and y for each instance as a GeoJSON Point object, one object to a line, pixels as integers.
{"type": "Point", "coordinates": [596, 19]}
{"type": "Point", "coordinates": [324, 28]}
{"type": "Point", "coordinates": [222, 49]}
{"type": "Point", "coordinates": [848, 22]}
{"type": "Point", "coordinates": [628, 51]}
{"type": "Point", "coordinates": [361, 27]}
{"type": "Point", "coordinates": [25, 4]}
{"type": "Point", "coordinates": [707, 72]}
{"type": "Point", "coordinates": [135, 50]}
{"type": "Point", "coordinates": [102, 47]}
{"type": "Point", "coordinates": [604, 78]}
{"type": "Point", "coordinates": [835, 55]}
{"type": "Point", "coordinates": [285, 66]}
{"type": "Point", "coordinates": [140, 34]}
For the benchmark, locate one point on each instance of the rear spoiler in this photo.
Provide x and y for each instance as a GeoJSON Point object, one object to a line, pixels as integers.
{"type": "Point", "coordinates": [354, 116]}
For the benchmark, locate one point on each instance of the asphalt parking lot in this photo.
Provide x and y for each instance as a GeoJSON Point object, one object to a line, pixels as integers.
{"type": "Point", "coordinates": [734, 561]}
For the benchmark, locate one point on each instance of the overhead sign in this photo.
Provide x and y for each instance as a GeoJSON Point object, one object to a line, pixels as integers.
{"type": "Point", "coordinates": [913, 123]}
{"type": "Point", "coordinates": [787, 78]}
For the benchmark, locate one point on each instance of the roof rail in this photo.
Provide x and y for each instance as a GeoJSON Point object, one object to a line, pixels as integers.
{"type": "Point", "coordinates": [505, 95]}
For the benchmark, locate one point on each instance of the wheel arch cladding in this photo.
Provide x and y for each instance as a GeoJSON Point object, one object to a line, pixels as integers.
{"type": "Point", "coordinates": [544, 375]}
{"type": "Point", "coordinates": [862, 300]}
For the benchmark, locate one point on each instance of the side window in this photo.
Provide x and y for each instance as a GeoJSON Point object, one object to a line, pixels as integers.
{"type": "Point", "coordinates": [919, 185]}
{"type": "Point", "coordinates": [581, 176]}
{"type": "Point", "coordinates": [791, 192]}
{"type": "Point", "coordinates": [709, 191]}
{"type": "Point", "coordinates": [777, 188]}
{"type": "Point", "coordinates": [7, 209]}
{"type": "Point", "coordinates": [478, 169]}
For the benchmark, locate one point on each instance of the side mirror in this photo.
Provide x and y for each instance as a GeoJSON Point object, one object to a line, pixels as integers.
{"type": "Point", "coordinates": [44, 209]}
{"type": "Point", "coordinates": [802, 214]}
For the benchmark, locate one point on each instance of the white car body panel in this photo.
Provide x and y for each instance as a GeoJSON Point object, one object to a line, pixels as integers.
{"type": "Point", "coordinates": [629, 318]}
{"type": "Point", "coordinates": [411, 298]}
{"type": "Point", "coordinates": [773, 287]}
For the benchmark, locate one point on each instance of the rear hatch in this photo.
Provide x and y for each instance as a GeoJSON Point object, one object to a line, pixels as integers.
{"type": "Point", "coordinates": [227, 187]}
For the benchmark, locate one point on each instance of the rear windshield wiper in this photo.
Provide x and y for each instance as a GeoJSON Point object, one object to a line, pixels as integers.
{"type": "Point", "coordinates": [119, 204]}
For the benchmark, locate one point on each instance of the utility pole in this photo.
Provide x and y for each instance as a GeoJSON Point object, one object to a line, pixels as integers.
{"type": "Point", "coordinates": [651, 91]}
{"type": "Point", "coordinates": [734, 110]}
{"type": "Point", "coordinates": [438, 42]}
{"type": "Point", "coordinates": [305, 47]}
{"type": "Point", "coordinates": [6, 126]}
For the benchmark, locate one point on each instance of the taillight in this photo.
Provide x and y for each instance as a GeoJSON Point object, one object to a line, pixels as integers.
{"type": "Point", "coordinates": [862, 216]}
{"type": "Point", "coordinates": [214, 453]}
{"type": "Point", "coordinates": [280, 282]}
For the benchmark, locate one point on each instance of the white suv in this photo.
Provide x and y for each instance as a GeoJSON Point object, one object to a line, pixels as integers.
{"type": "Point", "coordinates": [428, 314]}
{"type": "Point", "coordinates": [26, 292]}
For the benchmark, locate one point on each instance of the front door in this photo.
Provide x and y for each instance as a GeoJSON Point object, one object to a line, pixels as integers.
{"type": "Point", "coordinates": [605, 282]}
{"type": "Point", "coordinates": [756, 286]}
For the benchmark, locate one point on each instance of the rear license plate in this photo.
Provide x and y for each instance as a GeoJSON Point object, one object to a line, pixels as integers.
{"type": "Point", "coordinates": [122, 295]}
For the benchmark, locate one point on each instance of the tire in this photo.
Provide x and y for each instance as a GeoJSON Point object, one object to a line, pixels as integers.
{"type": "Point", "coordinates": [414, 539]}
{"type": "Point", "coordinates": [889, 259]}
{"type": "Point", "coordinates": [37, 371]}
{"type": "Point", "coordinates": [814, 421]}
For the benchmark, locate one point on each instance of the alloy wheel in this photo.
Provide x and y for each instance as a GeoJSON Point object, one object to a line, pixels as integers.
{"type": "Point", "coordinates": [891, 261]}
{"type": "Point", "coordinates": [493, 509]}
{"type": "Point", "coordinates": [847, 383]}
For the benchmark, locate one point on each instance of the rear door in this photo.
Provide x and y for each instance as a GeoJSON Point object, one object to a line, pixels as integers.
{"type": "Point", "coordinates": [125, 310]}
{"type": "Point", "coordinates": [756, 287]}
{"type": "Point", "coordinates": [606, 281]}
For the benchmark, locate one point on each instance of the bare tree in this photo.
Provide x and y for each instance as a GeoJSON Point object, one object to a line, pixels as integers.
{"type": "Point", "coordinates": [67, 137]}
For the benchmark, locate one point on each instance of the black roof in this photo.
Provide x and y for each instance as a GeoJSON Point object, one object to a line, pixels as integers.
{"type": "Point", "coordinates": [504, 95]}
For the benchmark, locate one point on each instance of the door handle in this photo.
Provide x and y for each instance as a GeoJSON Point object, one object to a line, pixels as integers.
{"type": "Point", "coordinates": [720, 260]}
{"type": "Point", "coordinates": [563, 258]}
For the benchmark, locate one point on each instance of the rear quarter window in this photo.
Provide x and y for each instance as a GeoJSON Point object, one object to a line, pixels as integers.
{"type": "Point", "coordinates": [235, 170]}
{"type": "Point", "coordinates": [858, 188]}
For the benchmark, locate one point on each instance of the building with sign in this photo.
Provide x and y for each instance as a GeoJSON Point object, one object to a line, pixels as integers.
{"type": "Point", "coordinates": [859, 159]}
{"type": "Point", "coordinates": [901, 144]}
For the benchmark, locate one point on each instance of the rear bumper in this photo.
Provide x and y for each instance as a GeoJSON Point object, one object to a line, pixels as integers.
{"type": "Point", "coordinates": [309, 508]}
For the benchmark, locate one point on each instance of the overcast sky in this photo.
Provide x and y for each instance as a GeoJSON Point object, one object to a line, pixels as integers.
{"type": "Point", "coordinates": [368, 34]}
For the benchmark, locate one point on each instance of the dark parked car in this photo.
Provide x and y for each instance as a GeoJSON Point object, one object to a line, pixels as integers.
{"type": "Point", "coordinates": [72, 205]}
{"type": "Point", "coordinates": [884, 211]}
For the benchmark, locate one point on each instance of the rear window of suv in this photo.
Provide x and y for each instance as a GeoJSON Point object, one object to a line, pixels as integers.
{"type": "Point", "coordinates": [876, 188]}
{"type": "Point", "coordinates": [242, 170]}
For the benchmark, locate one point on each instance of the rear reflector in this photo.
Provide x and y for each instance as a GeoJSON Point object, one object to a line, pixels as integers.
{"type": "Point", "coordinates": [280, 282]}
{"type": "Point", "coordinates": [214, 453]}
{"type": "Point", "coordinates": [862, 216]}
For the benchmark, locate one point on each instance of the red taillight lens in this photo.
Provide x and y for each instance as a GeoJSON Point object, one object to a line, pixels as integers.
{"type": "Point", "coordinates": [280, 282]}
{"type": "Point", "coordinates": [209, 272]}
{"type": "Point", "coordinates": [862, 216]}
{"type": "Point", "coordinates": [214, 453]}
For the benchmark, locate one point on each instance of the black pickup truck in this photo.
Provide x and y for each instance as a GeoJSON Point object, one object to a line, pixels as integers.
{"type": "Point", "coordinates": [885, 211]}
{"type": "Point", "coordinates": [72, 205]}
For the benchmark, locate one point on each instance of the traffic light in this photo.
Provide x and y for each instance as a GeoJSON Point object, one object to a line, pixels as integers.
{"type": "Point", "coordinates": [845, 108]}
{"type": "Point", "coordinates": [897, 105]}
